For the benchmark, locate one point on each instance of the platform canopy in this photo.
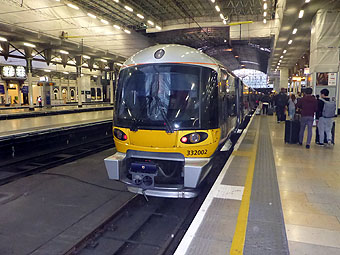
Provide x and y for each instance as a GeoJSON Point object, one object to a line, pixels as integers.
{"type": "Point", "coordinates": [232, 31]}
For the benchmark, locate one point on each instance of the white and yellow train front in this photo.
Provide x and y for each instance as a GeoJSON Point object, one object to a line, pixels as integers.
{"type": "Point", "coordinates": [167, 121]}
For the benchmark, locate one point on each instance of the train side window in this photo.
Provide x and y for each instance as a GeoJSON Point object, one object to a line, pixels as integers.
{"type": "Point", "coordinates": [231, 96]}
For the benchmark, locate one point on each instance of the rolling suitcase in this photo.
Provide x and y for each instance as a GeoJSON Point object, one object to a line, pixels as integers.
{"type": "Point", "coordinates": [292, 129]}
{"type": "Point", "coordinates": [270, 111]}
{"type": "Point", "coordinates": [325, 136]}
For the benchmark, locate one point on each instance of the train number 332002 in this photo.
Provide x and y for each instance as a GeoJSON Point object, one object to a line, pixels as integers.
{"type": "Point", "coordinates": [196, 152]}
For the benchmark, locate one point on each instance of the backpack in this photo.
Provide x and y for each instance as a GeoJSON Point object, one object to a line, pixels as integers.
{"type": "Point", "coordinates": [329, 109]}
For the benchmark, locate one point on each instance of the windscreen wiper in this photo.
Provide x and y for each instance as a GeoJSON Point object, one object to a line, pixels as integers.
{"type": "Point", "coordinates": [163, 113]}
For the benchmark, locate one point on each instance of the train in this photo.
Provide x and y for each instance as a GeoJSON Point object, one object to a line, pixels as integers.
{"type": "Point", "coordinates": [175, 107]}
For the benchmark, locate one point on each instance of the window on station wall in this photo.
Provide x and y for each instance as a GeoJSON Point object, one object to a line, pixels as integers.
{"type": "Point", "coordinates": [253, 78]}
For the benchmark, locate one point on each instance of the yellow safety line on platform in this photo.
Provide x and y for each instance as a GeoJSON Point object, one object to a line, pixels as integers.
{"type": "Point", "coordinates": [242, 219]}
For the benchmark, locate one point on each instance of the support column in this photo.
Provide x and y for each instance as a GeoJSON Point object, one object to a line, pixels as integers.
{"type": "Point", "coordinates": [7, 103]}
{"type": "Point", "coordinates": [283, 78]}
{"type": "Point", "coordinates": [325, 52]}
{"type": "Point", "coordinates": [80, 103]}
{"type": "Point", "coordinates": [68, 89]}
{"type": "Point", "coordinates": [79, 60]}
{"type": "Point", "coordinates": [19, 94]}
{"type": "Point", "coordinates": [30, 85]}
{"type": "Point", "coordinates": [112, 75]}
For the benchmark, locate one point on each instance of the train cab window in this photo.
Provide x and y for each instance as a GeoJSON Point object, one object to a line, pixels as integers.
{"type": "Point", "coordinates": [159, 95]}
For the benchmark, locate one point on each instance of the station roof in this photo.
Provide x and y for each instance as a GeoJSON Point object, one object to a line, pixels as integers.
{"type": "Point", "coordinates": [240, 34]}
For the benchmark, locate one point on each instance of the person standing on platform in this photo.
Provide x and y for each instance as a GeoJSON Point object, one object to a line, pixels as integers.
{"type": "Point", "coordinates": [40, 101]}
{"type": "Point", "coordinates": [308, 106]}
{"type": "Point", "coordinates": [291, 106]}
{"type": "Point", "coordinates": [265, 99]}
{"type": "Point", "coordinates": [281, 101]}
{"type": "Point", "coordinates": [325, 114]}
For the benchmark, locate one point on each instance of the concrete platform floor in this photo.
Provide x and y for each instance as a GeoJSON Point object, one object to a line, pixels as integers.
{"type": "Point", "coordinates": [309, 186]}
{"type": "Point", "coordinates": [19, 126]}
{"type": "Point", "coordinates": [48, 213]}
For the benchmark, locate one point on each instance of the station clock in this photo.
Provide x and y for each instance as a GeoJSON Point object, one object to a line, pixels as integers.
{"type": "Point", "coordinates": [20, 72]}
{"type": "Point", "coordinates": [8, 71]}
{"type": "Point", "coordinates": [13, 73]}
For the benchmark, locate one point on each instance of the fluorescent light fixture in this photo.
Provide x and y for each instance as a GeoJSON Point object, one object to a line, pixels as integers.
{"type": "Point", "coordinates": [285, 51]}
{"type": "Point", "coordinates": [95, 66]}
{"type": "Point", "coordinates": [64, 52]}
{"type": "Point", "coordinates": [281, 57]}
{"type": "Point", "coordinates": [3, 39]}
{"type": "Point", "coordinates": [290, 42]}
{"type": "Point", "coordinates": [57, 59]}
{"type": "Point", "coordinates": [106, 67]}
{"type": "Point", "coordinates": [95, 76]}
{"type": "Point", "coordinates": [264, 14]}
{"type": "Point", "coordinates": [264, 21]}
{"type": "Point", "coordinates": [91, 15]}
{"type": "Point", "coordinates": [103, 60]}
{"type": "Point", "coordinates": [47, 71]}
{"type": "Point", "coordinates": [86, 57]}
{"type": "Point", "coordinates": [117, 1]}
{"type": "Point", "coordinates": [127, 31]}
{"type": "Point", "coordinates": [65, 72]}
{"type": "Point", "coordinates": [119, 64]}
{"type": "Point", "coordinates": [278, 64]}
{"type": "Point", "coordinates": [224, 22]}
{"type": "Point", "coordinates": [128, 8]}
{"type": "Point", "coordinates": [140, 16]}
{"type": "Point", "coordinates": [280, 60]}
{"type": "Point", "coordinates": [307, 1]}
{"type": "Point", "coordinates": [85, 65]}
{"type": "Point", "coordinates": [213, 1]}
{"type": "Point", "coordinates": [57, 0]}
{"type": "Point", "coordinates": [116, 27]}
{"type": "Point", "coordinates": [151, 23]}
{"type": "Point", "coordinates": [29, 45]}
{"type": "Point", "coordinates": [217, 8]}
{"type": "Point", "coordinates": [158, 28]}
{"type": "Point", "coordinates": [104, 21]}
{"type": "Point", "coordinates": [301, 14]}
{"type": "Point", "coordinates": [265, 6]}
{"type": "Point", "coordinates": [221, 15]}
{"type": "Point", "coordinates": [73, 6]}
{"type": "Point", "coordinates": [294, 31]}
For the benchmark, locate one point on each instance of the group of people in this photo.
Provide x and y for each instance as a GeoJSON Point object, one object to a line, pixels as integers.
{"type": "Point", "coordinates": [306, 107]}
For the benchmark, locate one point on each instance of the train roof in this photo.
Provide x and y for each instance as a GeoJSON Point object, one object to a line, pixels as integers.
{"type": "Point", "coordinates": [171, 53]}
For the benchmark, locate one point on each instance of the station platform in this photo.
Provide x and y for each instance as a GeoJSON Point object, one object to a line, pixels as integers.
{"type": "Point", "coordinates": [270, 198]}
{"type": "Point", "coordinates": [24, 112]}
{"type": "Point", "coordinates": [23, 126]}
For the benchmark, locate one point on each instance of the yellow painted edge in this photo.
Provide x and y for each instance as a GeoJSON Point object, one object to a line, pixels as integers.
{"type": "Point", "coordinates": [242, 218]}
{"type": "Point", "coordinates": [242, 153]}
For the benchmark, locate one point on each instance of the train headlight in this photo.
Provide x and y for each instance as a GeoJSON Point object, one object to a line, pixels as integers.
{"type": "Point", "coordinates": [120, 134]}
{"type": "Point", "coordinates": [196, 137]}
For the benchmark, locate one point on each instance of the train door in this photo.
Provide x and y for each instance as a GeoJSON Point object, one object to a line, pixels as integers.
{"type": "Point", "coordinates": [223, 103]}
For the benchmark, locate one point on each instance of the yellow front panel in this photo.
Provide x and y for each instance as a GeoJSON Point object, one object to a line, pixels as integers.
{"type": "Point", "coordinates": [160, 141]}
{"type": "Point", "coordinates": [153, 138]}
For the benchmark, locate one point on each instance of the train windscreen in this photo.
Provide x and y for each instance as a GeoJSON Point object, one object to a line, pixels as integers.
{"type": "Point", "coordinates": [161, 96]}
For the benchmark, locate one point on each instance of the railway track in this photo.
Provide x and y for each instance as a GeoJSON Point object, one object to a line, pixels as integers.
{"type": "Point", "coordinates": [15, 170]}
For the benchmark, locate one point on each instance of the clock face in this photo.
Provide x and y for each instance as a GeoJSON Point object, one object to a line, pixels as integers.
{"type": "Point", "coordinates": [21, 72]}
{"type": "Point", "coordinates": [8, 71]}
